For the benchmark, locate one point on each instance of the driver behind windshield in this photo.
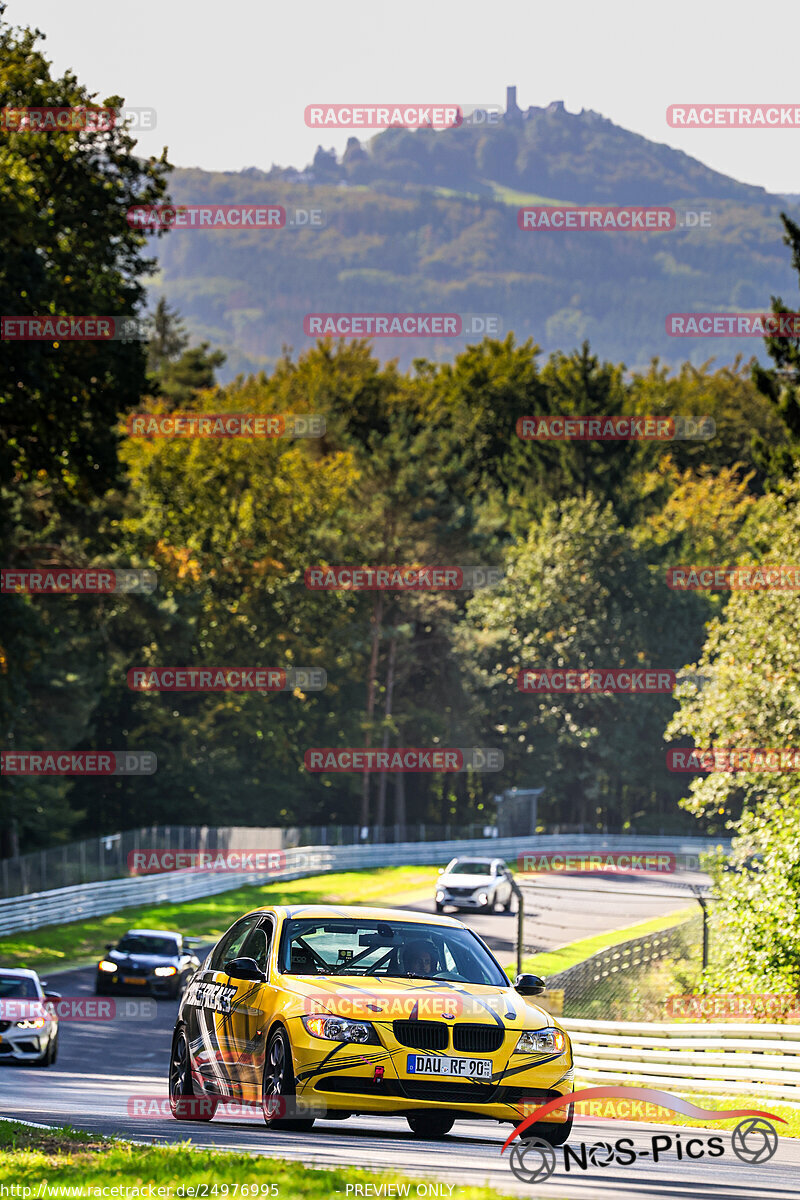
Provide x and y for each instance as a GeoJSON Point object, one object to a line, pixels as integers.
{"type": "Point", "coordinates": [420, 958]}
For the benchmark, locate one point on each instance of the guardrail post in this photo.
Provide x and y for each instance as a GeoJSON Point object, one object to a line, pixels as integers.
{"type": "Point", "coordinates": [517, 890]}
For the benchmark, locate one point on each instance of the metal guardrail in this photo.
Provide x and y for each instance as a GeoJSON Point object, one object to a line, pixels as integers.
{"type": "Point", "coordinates": [75, 903]}
{"type": "Point", "coordinates": [711, 1059]}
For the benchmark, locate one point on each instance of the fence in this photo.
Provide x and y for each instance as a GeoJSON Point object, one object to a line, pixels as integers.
{"type": "Point", "coordinates": [711, 1059]}
{"type": "Point", "coordinates": [106, 857]}
{"type": "Point", "coordinates": [611, 978]}
{"type": "Point", "coordinates": [33, 910]}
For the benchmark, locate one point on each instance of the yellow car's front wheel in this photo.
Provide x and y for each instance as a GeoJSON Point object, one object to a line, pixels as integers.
{"type": "Point", "coordinates": [430, 1125]}
{"type": "Point", "coordinates": [278, 1099]}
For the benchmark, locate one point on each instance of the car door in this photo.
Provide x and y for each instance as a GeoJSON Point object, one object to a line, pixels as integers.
{"type": "Point", "coordinates": [208, 1010]}
{"type": "Point", "coordinates": [252, 1010]}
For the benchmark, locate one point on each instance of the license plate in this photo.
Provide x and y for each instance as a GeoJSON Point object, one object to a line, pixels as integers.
{"type": "Point", "coordinates": [438, 1064]}
{"type": "Point", "coordinates": [133, 979]}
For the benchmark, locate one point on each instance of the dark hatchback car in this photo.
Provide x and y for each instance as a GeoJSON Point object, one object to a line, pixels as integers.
{"type": "Point", "coordinates": [155, 961]}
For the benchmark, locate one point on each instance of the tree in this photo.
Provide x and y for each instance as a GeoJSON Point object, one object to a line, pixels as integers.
{"type": "Point", "coordinates": [67, 249]}
{"type": "Point", "coordinates": [577, 593]}
{"type": "Point", "coordinates": [781, 385]}
{"type": "Point", "coordinates": [752, 653]}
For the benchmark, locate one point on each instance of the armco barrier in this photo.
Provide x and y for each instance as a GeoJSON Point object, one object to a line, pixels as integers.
{"type": "Point", "coordinates": [97, 899]}
{"type": "Point", "coordinates": [754, 1059]}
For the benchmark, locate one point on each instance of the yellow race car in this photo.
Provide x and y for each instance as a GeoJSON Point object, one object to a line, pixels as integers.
{"type": "Point", "coordinates": [328, 1011]}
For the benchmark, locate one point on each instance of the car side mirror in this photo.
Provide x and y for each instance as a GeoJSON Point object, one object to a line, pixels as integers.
{"type": "Point", "coordinates": [244, 968]}
{"type": "Point", "coordinates": [529, 985]}
{"type": "Point", "coordinates": [110, 946]}
{"type": "Point", "coordinates": [52, 995]}
{"type": "Point", "coordinates": [441, 870]}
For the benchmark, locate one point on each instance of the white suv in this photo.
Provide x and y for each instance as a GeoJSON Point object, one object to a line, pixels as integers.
{"type": "Point", "coordinates": [28, 1023]}
{"type": "Point", "coordinates": [481, 883]}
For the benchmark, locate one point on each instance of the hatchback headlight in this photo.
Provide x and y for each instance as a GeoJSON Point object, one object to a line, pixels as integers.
{"type": "Point", "coordinates": [105, 965]}
{"type": "Point", "coordinates": [31, 1023]}
{"type": "Point", "coordinates": [166, 971]}
{"type": "Point", "coordinates": [542, 1041]}
{"type": "Point", "coordinates": [336, 1029]}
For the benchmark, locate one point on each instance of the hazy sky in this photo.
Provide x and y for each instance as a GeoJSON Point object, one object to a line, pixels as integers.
{"type": "Point", "coordinates": [230, 81]}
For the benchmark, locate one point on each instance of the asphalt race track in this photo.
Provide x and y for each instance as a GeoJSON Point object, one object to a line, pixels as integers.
{"type": "Point", "coordinates": [104, 1065]}
{"type": "Point", "coordinates": [560, 909]}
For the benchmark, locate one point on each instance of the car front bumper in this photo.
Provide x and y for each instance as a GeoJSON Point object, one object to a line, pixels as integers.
{"type": "Point", "coordinates": [24, 1045]}
{"type": "Point", "coordinates": [374, 1079]}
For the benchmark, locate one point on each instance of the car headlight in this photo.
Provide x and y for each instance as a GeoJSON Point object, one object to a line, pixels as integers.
{"type": "Point", "coordinates": [482, 897]}
{"type": "Point", "coordinates": [166, 971]}
{"type": "Point", "coordinates": [541, 1041]}
{"type": "Point", "coordinates": [337, 1029]}
{"type": "Point", "coordinates": [31, 1023]}
{"type": "Point", "coordinates": [105, 965]}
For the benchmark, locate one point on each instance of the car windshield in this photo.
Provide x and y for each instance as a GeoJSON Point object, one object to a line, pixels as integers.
{"type": "Point", "coordinates": [387, 949]}
{"type": "Point", "coordinates": [141, 944]}
{"type": "Point", "coordinates": [469, 866]}
{"type": "Point", "coordinates": [17, 986]}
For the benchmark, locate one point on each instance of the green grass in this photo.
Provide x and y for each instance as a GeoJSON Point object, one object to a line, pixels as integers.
{"type": "Point", "coordinates": [68, 1157]}
{"type": "Point", "coordinates": [550, 962]}
{"type": "Point", "coordinates": [60, 946]}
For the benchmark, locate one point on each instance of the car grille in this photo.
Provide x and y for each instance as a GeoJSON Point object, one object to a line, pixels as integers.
{"type": "Point", "coordinates": [460, 891]}
{"type": "Point", "coordinates": [472, 1038]}
{"type": "Point", "coordinates": [133, 970]}
{"type": "Point", "coordinates": [444, 1090]}
{"type": "Point", "coordinates": [421, 1035]}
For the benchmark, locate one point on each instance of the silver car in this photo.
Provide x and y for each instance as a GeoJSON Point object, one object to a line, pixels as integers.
{"type": "Point", "coordinates": [28, 1024]}
{"type": "Point", "coordinates": [480, 883]}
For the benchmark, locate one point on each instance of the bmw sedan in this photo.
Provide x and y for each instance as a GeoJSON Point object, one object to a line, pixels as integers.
{"type": "Point", "coordinates": [28, 1024]}
{"type": "Point", "coordinates": [157, 961]}
{"type": "Point", "coordinates": [334, 1011]}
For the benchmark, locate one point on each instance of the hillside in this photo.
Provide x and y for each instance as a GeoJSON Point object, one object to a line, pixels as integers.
{"type": "Point", "coordinates": [427, 221]}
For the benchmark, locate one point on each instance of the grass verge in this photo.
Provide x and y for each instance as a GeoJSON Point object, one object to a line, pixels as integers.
{"type": "Point", "coordinates": [59, 946]}
{"type": "Point", "coordinates": [550, 962]}
{"type": "Point", "coordinates": [71, 1158]}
